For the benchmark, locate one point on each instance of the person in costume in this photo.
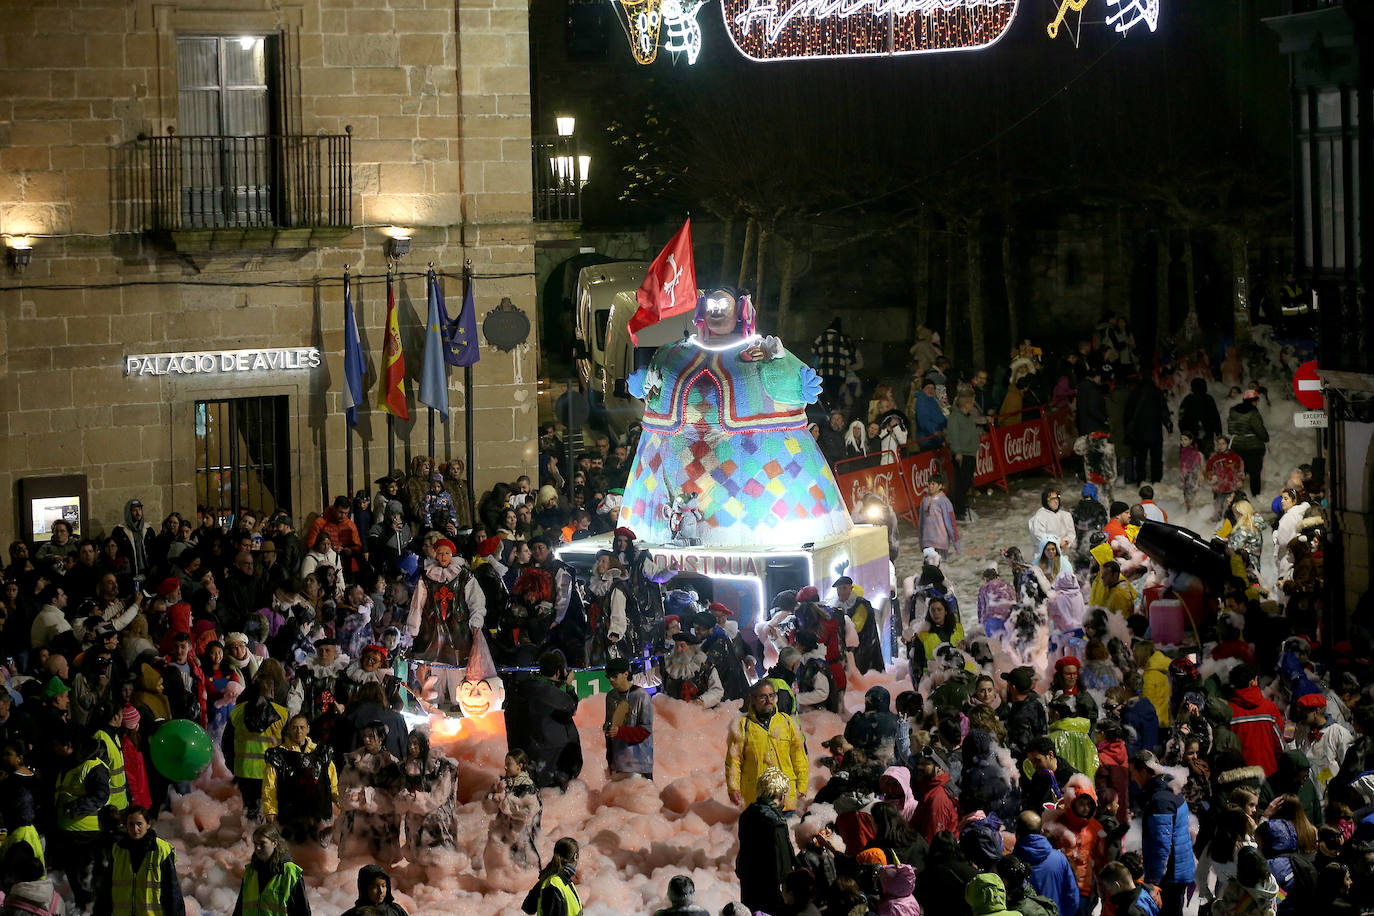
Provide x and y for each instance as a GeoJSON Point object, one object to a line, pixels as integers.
{"type": "Point", "coordinates": [446, 611]}
{"type": "Point", "coordinates": [725, 419]}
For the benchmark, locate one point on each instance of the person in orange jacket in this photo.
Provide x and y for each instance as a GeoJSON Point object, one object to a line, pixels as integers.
{"type": "Point", "coordinates": [1082, 839]}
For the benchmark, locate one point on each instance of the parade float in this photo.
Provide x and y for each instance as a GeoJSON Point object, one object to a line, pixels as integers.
{"type": "Point", "coordinates": [728, 492]}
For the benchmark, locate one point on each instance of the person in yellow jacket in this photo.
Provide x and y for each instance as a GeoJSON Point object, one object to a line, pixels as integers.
{"type": "Point", "coordinates": [1111, 591]}
{"type": "Point", "coordinates": [763, 738]}
{"type": "Point", "coordinates": [82, 789]}
{"type": "Point", "coordinates": [273, 885]}
{"type": "Point", "coordinates": [143, 873]}
{"type": "Point", "coordinates": [254, 726]}
{"type": "Point", "coordinates": [300, 785]}
{"type": "Point", "coordinates": [20, 788]}
{"type": "Point", "coordinates": [556, 894]}
{"type": "Point", "coordinates": [108, 720]}
{"type": "Point", "coordinates": [1154, 667]}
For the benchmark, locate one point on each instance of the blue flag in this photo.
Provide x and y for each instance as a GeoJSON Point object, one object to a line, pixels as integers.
{"type": "Point", "coordinates": [353, 359]}
{"type": "Point", "coordinates": [462, 334]}
{"type": "Point", "coordinates": [434, 373]}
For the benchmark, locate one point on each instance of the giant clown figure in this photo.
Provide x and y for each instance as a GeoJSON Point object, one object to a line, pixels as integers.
{"type": "Point", "coordinates": [725, 420]}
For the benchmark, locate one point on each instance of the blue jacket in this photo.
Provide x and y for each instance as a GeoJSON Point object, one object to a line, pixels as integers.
{"type": "Point", "coordinates": [930, 419]}
{"type": "Point", "coordinates": [1166, 845]}
{"type": "Point", "coordinates": [1051, 874]}
{"type": "Point", "coordinates": [1142, 724]}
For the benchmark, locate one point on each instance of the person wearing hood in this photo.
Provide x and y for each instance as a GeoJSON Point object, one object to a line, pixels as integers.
{"type": "Point", "coordinates": [682, 896]}
{"type": "Point", "coordinates": [1083, 840]}
{"type": "Point", "coordinates": [1294, 872]}
{"type": "Point", "coordinates": [995, 600]}
{"type": "Point", "coordinates": [1051, 873]}
{"type": "Point", "coordinates": [255, 725]}
{"type": "Point", "coordinates": [1089, 516]}
{"type": "Point", "coordinates": [947, 872]}
{"type": "Point", "coordinates": [986, 895]}
{"type": "Point", "coordinates": [764, 740]}
{"type": "Point", "coordinates": [31, 892]}
{"type": "Point", "coordinates": [374, 894]}
{"type": "Point", "coordinates": [877, 731]}
{"type": "Point", "coordinates": [896, 884]}
{"type": "Point", "coordinates": [143, 874]}
{"type": "Point", "coordinates": [1021, 897]}
{"type": "Point", "coordinates": [1072, 737]}
{"type": "Point", "coordinates": [368, 784]}
{"type": "Point", "coordinates": [1256, 721]}
{"type": "Point", "coordinates": [1052, 523]}
{"type": "Point", "coordinates": [894, 787]}
{"type": "Point", "coordinates": [1249, 436]}
{"type": "Point", "coordinates": [935, 806]}
{"type": "Point", "coordinates": [983, 781]}
{"type": "Point", "coordinates": [1166, 842]}
{"type": "Point", "coordinates": [428, 799]}
{"type": "Point", "coordinates": [135, 539]}
{"type": "Point", "coordinates": [1293, 776]}
{"type": "Point", "coordinates": [765, 851]}
{"type": "Point", "coordinates": [238, 656]}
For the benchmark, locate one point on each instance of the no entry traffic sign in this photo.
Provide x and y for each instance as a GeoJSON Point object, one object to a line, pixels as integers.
{"type": "Point", "coordinates": [1307, 388]}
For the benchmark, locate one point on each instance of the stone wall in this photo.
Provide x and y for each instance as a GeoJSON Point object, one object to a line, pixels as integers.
{"type": "Point", "coordinates": [436, 95]}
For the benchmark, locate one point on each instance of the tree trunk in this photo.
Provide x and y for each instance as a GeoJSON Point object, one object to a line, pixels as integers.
{"type": "Point", "coordinates": [727, 249]}
{"type": "Point", "coordinates": [789, 251]}
{"type": "Point", "coordinates": [951, 259]}
{"type": "Point", "coordinates": [758, 274]}
{"type": "Point", "coordinates": [751, 229]}
{"type": "Point", "coordinates": [1188, 274]}
{"type": "Point", "coordinates": [975, 297]}
{"type": "Point", "coordinates": [1162, 257]}
{"type": "Point", "coordinates": [922, 269]}
{"type": "Point", "coordinates": [1009, 278]}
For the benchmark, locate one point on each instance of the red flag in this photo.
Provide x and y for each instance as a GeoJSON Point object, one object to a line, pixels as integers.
{"type": "Point", "coordinates": [670, 286]}
{"type": "Point", "coordinates": [391, 394]}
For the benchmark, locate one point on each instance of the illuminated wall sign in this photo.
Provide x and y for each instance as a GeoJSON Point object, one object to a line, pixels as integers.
{"type": "Point", "coordinates": [768, 30]}
{"type": "Point", "coordinates": [223, 362]}
{"type": "Point", "coordinates": [707, 564]}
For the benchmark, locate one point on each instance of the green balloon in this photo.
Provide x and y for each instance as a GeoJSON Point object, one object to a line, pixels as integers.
{"type": "Point", "coordinates": [181, 750]}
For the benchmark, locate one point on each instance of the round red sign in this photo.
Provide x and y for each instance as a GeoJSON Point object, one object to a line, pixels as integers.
{"type": "Point", "coordinates": [1307, 387]}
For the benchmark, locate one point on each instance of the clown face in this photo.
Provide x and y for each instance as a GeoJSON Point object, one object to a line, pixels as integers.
{"type": "Point", "coordinates": [722, 312]}
{"type": "Point", "coordinates": [477, 698]}
{"type": "Point", "coordinates": [443, 556]}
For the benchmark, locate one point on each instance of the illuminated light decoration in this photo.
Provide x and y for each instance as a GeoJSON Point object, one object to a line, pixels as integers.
{"type": "Point", "coordinates": [771, 30]}
{"type": "Point", "coordinates": [681, 33]}
{"type": "Point", "coordinates": [1064, 8]}
{"type": "Point", "coordinates": [1127, 14]}
{"type": "Point", "coordinates": [642, 21]}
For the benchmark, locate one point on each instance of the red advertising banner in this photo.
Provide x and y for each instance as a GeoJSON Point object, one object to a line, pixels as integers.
{"type": "Point", "coordinates": [918, 470]}
{"type": "Point", "coordinates": [1023, 446]}
{"type": "Point", "coordinates": [1063, 431]}
{"type": "Point", "coordinates": [987, 469]}
{"type": "Point", "coordinates": [857, 477]}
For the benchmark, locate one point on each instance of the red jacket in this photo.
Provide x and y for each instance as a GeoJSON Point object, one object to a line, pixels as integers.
{"type": "Point", "coordinates": [935, 808]}
{"type": "Point", "coordinates": [834, 654]}
{"type": "Point", "coordinates": [1259, 726]}
{"type": "Point", "coordinates": [343, 534]}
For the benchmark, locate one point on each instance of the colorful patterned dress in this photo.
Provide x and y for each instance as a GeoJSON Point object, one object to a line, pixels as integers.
{"type": "Point", "coordinates": [730, 424]}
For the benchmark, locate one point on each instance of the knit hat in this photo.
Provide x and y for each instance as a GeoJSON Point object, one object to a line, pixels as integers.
{"type": "Point", "coordinates": [445, 542]}
{"type": "Point", "coordinates": [1312, 701]}
{"type": "Point", "coordinates": [487, 548]}
{"type": "Point", "coordinates": [235, 637]}
{"type": "Point", "coordinates": [1089, 490]}
{"type": "Point", "coordinates": [931, 556]}
{"type": "Point", "coordinates": [1117, 508]}
{"type": "Point", "coordinates": [873, 856]}
{"type": "Point", "coordinates": [809, 593]}
{"type": "Point", "coordinates": [54, 688]}
{"type": "Point", "coordinates": [167, 586]}
{"type": "Point", "coordinates": [623, 532]}
{"type": "Point", "coordinates": [1065, 662]}
{"type": "Point", "coordinates": [131, 717]}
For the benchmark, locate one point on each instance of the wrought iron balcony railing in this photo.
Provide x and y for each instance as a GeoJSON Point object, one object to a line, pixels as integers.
{"type": "Point", "coordinates": [175, 183]}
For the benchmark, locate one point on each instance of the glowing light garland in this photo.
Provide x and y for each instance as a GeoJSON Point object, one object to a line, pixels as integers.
{"type": "Point", "coordinates": [1127, 14]}
{"type": "Point", "coordinates": [769, 30]}
{"type": "Point", "coordinates": [670, 24]}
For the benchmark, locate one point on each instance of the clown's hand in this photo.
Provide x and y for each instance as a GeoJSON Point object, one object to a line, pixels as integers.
{"type": "Point", "coordinates": [810, 384]}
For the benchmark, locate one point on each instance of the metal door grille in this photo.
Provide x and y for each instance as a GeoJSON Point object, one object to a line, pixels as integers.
{"type": "Point", "coordinates": [243, 452]}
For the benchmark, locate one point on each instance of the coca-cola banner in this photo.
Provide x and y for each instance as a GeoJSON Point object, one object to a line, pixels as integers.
{"type": "Point", "coordinates": [1023, 446]}
{"type": "Point", "coordinates": [1064, 432]}
{"type": "Point", "coordinates": [857, 477]}
{"type": "Point", "coordinates": [920, 467]}
{"type": "Point", "coordinates": [986, 469]}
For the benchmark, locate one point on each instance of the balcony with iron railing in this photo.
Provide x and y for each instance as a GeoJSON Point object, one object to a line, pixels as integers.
{"type": "Point", "coordinates": [218, 192]}
{"type": "Point", "coordinates": [560, 171]}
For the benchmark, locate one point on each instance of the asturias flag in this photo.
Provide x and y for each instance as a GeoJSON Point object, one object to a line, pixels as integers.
{"type": "Point", "coordinates": [391, 393]}
{"type": "Point", "coordinates": [670, 286]}
{"type": "Point", "coordinates": [353, 359]}
{"type": "Point", "coordinates": [433, 374]}
{"type": "Point", "coordinates": [462, 333]}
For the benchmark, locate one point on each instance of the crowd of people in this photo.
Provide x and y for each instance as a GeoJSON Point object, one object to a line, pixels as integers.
{"type": "Point", "coordinates": [1049, 756]}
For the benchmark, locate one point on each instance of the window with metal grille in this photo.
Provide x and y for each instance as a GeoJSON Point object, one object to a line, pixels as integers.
{"type": "Point", "coordinates": [243, 451]}
{"type": "Point", "coordinates": [226, 110]}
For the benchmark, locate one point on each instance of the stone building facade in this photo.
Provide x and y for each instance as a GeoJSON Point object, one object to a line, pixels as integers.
{"type": "Point", "coordinates": [194, 177]}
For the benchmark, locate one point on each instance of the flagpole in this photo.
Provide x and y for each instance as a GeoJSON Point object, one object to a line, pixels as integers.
{"type": "Point", "coordinates": [390, 418]}
{"type": "Point", "coordinates": [431, 282]}
{"type": "Point", "coordinates": [348, 427]}
{"type": "Point", "coordinates": [470, 449]}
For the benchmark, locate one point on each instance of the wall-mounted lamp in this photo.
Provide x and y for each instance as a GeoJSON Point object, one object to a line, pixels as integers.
{"type": "Point", "coordinates": [20, 250]}
{"type": "Point", "coordinates": [565, 123]}
{"type": "Point", "coordinates": [398, 242]}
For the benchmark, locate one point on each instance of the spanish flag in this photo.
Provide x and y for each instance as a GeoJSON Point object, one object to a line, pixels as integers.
{"type": "Point", "coordinates": [391, 395]}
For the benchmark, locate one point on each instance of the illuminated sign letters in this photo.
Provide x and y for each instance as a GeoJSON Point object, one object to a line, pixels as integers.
{"type": "Point", "coordinates": [223, 362]}
{"type": "Point", "coordinates": [768, 30]}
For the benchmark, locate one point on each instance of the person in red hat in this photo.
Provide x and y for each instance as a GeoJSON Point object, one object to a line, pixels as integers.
{"type": "Point", "coordinates": [613, 614]}
{"type": "Point", "coordinates": [170, 590]}
{"type": "Point", "coordinates": [640, 573]}
{"type": "Point", "coordinates": [446, 611]}
{"type": "Point", "coordinates": [1068, 682]}
{"type": "Point", "coordinates": [1323, 739]}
